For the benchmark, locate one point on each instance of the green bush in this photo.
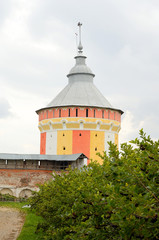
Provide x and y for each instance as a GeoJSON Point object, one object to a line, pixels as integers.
{"type": "Point", "coordinates": [116, 200]}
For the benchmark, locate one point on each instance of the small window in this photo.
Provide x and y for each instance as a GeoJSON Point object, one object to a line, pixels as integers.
{"type": "Point", "coordinates": [80, 134]}
{"type": "Point", "coordinates": [63, 134]}
{"type": "Point", "coordinates": [108, 114]}
{"type": "Point", "coordinates": [47, 114]}
{"type": "Point", "coordinates": [102, 113]}
{"type": "Point", "coordinates": [59, 112]}
{"type": "Point", "coordinates": [87, 112]}
{"type": "Point", "coordinates": [64, 148]}
{"type": "Point", "coordinates": [95, 135]}
{"type": "Point", "coordinates": [76, 112]}
{"type": "Point", "coordinates": [94, 113]}
{"type": "Point", "coordinates": [69, 112]}
{"type": "Point", "coordinates": [96, 149]}
{"type": "Point", "coordinates": [53, 113]}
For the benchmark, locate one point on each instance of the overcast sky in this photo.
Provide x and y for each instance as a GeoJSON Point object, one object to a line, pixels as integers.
{"type": "Point", "coordinates": [37, 49]}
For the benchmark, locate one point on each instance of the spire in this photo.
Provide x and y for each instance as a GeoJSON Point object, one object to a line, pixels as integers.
{"type": "Point", "coordinates": [80, 47]}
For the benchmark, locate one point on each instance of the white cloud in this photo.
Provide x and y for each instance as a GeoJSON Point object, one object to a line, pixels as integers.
{"type": "Point", "coordinates": [130, 127]}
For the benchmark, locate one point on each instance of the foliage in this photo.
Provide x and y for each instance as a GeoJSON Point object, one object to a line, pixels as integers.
{"type": "Point", "coordinates": [116, 200]}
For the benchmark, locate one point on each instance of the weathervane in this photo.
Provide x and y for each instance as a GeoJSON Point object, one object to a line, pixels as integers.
{"type": "Point", "coordinates": [80, 47]}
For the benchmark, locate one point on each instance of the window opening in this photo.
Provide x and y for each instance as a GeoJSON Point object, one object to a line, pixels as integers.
{"type": "Point", "coordinates": [76, 112]}
{"type": "Point", "coordinates": [94, 113]}
{"type": "Point", "coordinates": [87, 112]}
{"type": "Point", "coordinates": [102, 113]}
{"type": "Point", "coordinates": [95, 135]}
{"type": "Point", "coordinates": [96, 149]}
{"type": "Point", "coordinates": [80, 134]}
{"type": "Point", "coordinates": [53, 113]}
{"type": "Point", "coordinates": [69, 112]}
{"type": "Point", "coordinates": [59, 112]}
{"type": "Point", "coordinates": [108, 114]}
{"type": "Point", "coordinates": [63, 134]}
{"type": "Point", "coordinates": [64, 148]}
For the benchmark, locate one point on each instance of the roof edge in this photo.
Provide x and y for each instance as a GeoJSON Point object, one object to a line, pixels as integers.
{"type": "Point", "coordinates": [116, 109]}
{"type": "Point", "coordinates": [77, 73]}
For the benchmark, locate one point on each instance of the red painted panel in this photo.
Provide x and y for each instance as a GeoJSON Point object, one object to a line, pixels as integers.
{"type": "Point", "coordinates": [43, 143]}
{"type": "Point", "coordinates": [44, 114]}
{"type": "Point", "coordinates": [106, 114]}
{"type": "Point", "coordinates": [73, 112]}
{"type": "Point", "coordinates": [98, 113]}
{"type": "Point", "coordinates": [111, 115]}
{"type": "Point", "coordinates": [40, 115]}
{"type": "Point", "coordinates": [64, 112]}
{"type": "Point", "coordinates": [119, 117]}
{"type": "Point", "coordinates": [81, 144]}
{"type": "Point", "coordinates": [91, 112]}
{"type": "Point", "coordinates": [56, 113]}
{"type": "Point", "coordinates": [50, 113]}
{"type": "Point", "coordinates": [81, 112]}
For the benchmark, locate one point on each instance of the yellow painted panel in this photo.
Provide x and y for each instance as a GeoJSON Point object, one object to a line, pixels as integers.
{"type": "Point", "coordinates": [105, 127]}
{"type": "Point", "coordinates": [93, 120]}
{"type": "Point", "coordinates": [115, 128]}
{"type": "Point", "coordinates": [72, 125]}
{"type": "Point", "coordinates": [64, 142]}
{"type": "Point", "coordinates": [116, 140]}
{"type": "Point", "coordinates": [96, 145]}
{"type": "Point", "coordinates": [44, 121]}
{"type": "Point", "coordinates": [57, 126]}
{"type": "Point", "coordinates": [40, 128]}
{"type": "Point", "coordinates": [46, 127]}
{"type": "Point", "coordinates": [89, 125]}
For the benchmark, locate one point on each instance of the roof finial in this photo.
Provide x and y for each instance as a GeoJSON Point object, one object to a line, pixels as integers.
{"type": "Point", "coordinates": [80, 47]}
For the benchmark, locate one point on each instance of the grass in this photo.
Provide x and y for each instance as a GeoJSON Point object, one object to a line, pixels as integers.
{"type": "Point", "coordinates": [30, 224]}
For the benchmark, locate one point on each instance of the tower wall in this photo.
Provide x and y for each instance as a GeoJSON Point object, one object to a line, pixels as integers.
{"type": "Point", "coordinates": [72, 130]}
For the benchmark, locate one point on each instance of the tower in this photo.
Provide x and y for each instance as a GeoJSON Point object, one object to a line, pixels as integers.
{"type": "Point", "coordinates": [79, 119]}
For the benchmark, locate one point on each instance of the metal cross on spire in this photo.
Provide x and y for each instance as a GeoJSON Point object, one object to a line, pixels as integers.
{"type": "Point", "coordinates": [80, 47]}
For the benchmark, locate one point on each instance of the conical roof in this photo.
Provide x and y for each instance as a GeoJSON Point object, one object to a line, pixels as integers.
{"type": "Point", "coordinates": [80, 90]}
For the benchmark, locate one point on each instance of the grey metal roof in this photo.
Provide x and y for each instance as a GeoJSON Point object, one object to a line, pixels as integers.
{"type": "Point", "coordinates": [40, 157]}
{"type": "Point", "coordinates": [80, 93]}
{"type": "Point", "coordinates": [80, 90]}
